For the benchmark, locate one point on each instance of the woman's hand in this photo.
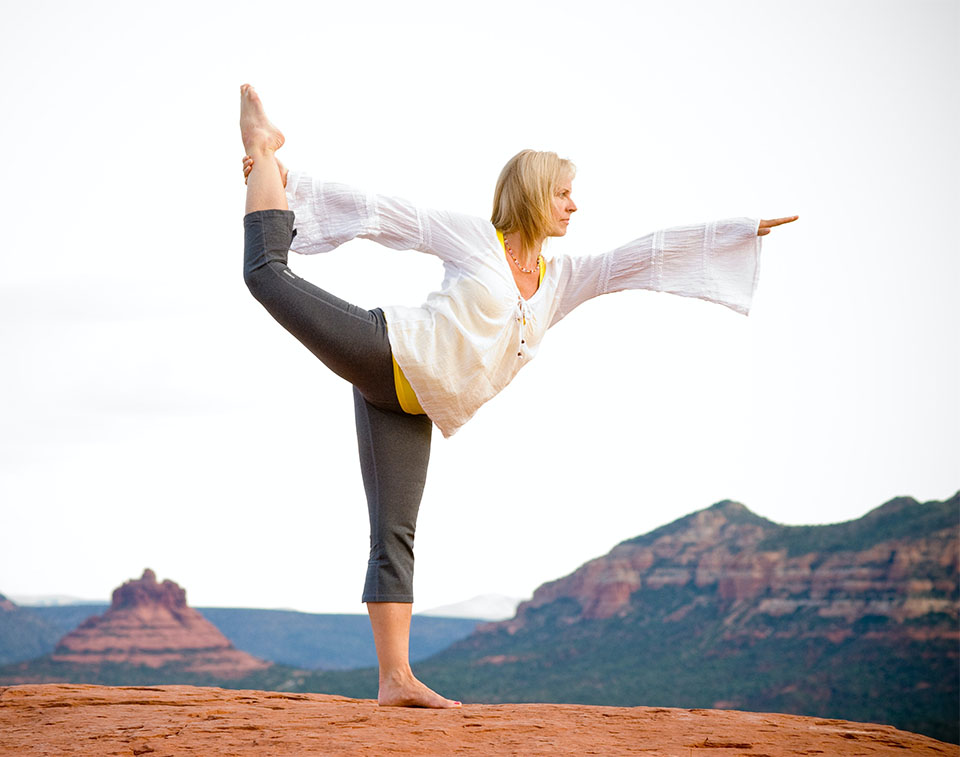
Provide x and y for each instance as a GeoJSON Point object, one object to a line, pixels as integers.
{"type": "Point", "coordinates": [248, 167]}
{"type": "Point", "coordinates": [764, 229]}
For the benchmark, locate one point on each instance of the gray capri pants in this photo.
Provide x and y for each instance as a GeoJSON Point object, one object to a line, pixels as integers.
{"type": "Point", "coordinates": [352, 342]}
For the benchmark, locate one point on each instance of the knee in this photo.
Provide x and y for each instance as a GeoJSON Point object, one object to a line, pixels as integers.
{"type": "Point", "coordinates": [390, 567]}
{"type": "Point", "coordinates": [263, 282]}
{"type": "Point", "coordinates": [394, 542]}
{"type": "Point", "coordinates": [254, 278]}
{"type": "Point", "coordinates": [266, 239]}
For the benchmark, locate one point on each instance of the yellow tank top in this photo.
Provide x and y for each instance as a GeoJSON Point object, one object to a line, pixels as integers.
{"type": "Point", "coordinates": [405, 394]}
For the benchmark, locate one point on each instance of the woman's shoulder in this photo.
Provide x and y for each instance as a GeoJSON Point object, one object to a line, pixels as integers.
{"type": "Point", "coordinates": [467, 228]}
{"type": "Point", "coordinates": [466, 221]}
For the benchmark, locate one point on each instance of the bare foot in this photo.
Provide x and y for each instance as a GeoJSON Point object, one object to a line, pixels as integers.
{"type": "Point", "coordinates": [258, 134]}
{"type": "Point", "coordinates": [406, 691]}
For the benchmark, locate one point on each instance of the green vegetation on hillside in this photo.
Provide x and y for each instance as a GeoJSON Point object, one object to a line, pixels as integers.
{"type": "Point", "coordinates": [901, 518]}
{"type": "Point", "coordinates": [24, 635]}
{"type": "Point", "coordinates": [734, 512]}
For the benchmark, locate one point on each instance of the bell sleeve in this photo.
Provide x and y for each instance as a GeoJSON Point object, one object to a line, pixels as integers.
{"type": "Point", "coordinates": [717, 261]}
{"type": "Point", "coordinates": [329, 214]}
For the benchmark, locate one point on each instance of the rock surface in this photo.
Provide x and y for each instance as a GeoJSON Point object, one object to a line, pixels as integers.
{"type": "Point", "coordinates": [150, 624]}
{"type": "Point", "coordinates": [159, 721]}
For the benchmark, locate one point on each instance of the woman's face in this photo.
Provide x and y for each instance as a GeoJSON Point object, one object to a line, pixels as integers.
{"type": "Point", "coordinates": [563, 207]}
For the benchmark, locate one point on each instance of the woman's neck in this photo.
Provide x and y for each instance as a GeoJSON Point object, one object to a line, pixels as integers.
{"type": "Point", "coordinates": [527, 257]}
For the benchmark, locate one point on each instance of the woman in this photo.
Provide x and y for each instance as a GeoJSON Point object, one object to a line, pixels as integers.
{"type": "Point", "coordinates": [413, 368]}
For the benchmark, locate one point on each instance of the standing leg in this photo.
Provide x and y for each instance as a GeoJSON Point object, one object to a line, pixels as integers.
{"type": "Point", "coordinates": [394, 451]}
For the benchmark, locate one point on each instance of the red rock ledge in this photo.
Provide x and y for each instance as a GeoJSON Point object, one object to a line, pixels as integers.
{"type": "Point", "coordinates": [66, 719]}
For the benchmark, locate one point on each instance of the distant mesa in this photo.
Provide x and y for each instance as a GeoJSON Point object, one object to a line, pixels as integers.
{"type": "Point", "coordinates": [149, 624]}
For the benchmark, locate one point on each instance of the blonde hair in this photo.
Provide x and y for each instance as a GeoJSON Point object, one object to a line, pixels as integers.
{"type": "Point", "coordinates": [523, 198]}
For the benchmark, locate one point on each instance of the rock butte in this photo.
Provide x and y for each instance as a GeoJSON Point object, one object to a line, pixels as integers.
{"type": "Point", "coordinates": [158, 721]}
{"type": "Point", "coordinates": [150, 624]}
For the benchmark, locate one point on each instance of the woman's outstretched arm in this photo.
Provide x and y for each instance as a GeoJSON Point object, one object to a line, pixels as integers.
{"type": "Point", "coordinates": [718, 262]}
{"type": "Point", "coordinates": [330, 214]}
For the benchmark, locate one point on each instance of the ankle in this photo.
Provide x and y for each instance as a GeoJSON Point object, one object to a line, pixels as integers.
{"type": "Point", "coordinates": [400, 674]}
{"type": "Point", "coordinates": [261, 153]}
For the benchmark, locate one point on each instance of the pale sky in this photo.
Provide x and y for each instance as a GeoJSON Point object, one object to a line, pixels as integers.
{"type": "Point", "coordinates": [153, 414]}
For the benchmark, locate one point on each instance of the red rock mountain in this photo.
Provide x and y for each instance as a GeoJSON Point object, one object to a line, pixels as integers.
{"type": "Point", "coordinates": [149, 624]}
{"type": "Point", "coordinates": [726, 609]}
{"type": "Point", "coordinates": [889, 564]}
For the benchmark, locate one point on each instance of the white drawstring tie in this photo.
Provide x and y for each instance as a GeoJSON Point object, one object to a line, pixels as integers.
{"type": "Point", "coordinates": [522, 315]}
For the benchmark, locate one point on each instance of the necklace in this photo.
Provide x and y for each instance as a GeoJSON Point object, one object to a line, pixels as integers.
{"type": "Point", "coordinates": [525, 270]}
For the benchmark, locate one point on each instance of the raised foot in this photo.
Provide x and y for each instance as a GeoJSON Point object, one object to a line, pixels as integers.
{"type": "Point", "coordinates": [258, 134]}
{"type": "Point", "coordinates": [411, 693]}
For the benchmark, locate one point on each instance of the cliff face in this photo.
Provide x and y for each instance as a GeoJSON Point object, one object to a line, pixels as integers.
{"type": "Point", "coordinates": [150, 625]}
{"type": "Point", "coordinates": [877, 568]}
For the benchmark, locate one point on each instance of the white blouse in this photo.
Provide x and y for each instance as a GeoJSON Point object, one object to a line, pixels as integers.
{"type": "Point", "coordinates": [471, 337]}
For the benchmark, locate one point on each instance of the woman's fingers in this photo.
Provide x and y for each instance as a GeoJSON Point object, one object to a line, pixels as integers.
{"type": "Point", "coordinates": [766, 225]}
{"type": "Point", "coordinates": [777, 221]}
{"type": "Point", "coordinates": [248, 167]}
